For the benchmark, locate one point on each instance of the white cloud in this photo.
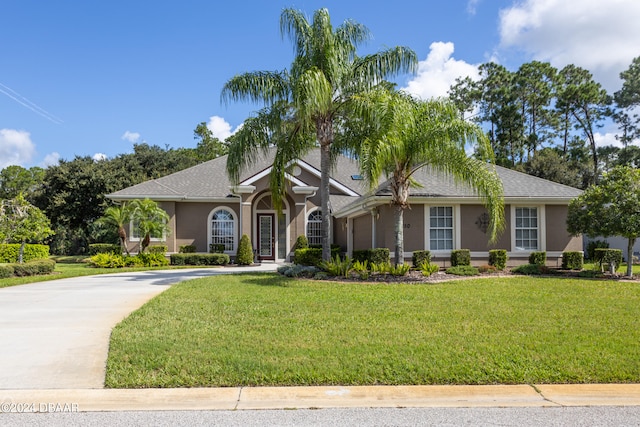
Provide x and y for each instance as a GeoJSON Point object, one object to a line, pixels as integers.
{"type": "Point", "coordinates": [220, 128]}
{"type": "Point", "coordinates": [132, 137]}
{"type": "Point", "coordinates": [16, 147]}
{"type": "Point", "coordinates": [51, 159]}
{"type": "Point", "coordinates": [472, 6]}
{"type": "Point", "coordinates": [600, 36]}
{"type": "Point", "coordinates": [99, 156]}
{"type": "Point", "coordinates": [438, 72]}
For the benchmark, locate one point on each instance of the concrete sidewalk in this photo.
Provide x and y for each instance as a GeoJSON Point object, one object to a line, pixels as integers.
{"type": "Point", "coordinates": [255, 398]}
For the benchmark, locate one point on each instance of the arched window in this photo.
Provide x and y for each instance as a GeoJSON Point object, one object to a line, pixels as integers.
{"type": "Point", "coordinates": [314, 227]}
{"type": "Point", "coordinates": [223, 229]}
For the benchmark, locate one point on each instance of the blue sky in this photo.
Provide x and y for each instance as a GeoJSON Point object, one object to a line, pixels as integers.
{"type": "Point", "coordinates": [92, 78]}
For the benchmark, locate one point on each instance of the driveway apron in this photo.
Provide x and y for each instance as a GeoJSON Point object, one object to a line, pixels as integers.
{"type": "Point", "coordinates": [55, 335]}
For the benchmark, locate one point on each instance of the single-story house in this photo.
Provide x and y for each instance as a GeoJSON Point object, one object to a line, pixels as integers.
{"type": "Point", "coordinates": [205, 208]}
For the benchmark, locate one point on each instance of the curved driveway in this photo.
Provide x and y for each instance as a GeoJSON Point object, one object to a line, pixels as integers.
{"type": "Point", "coordinates": [55, 334]}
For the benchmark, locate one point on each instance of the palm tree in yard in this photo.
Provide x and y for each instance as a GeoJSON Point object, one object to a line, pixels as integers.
{"type": "Point", "coordinates": [118, 217]}
{"type": "Point", "coordinates": [412, 134]}
{"type": "Point", "coordinates": [311, 103]}
{"type": "Point", "coordinates": [150, 220]}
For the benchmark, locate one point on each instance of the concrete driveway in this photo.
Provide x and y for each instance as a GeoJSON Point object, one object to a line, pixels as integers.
{"type": "Point", "coordinates": [55, 335]}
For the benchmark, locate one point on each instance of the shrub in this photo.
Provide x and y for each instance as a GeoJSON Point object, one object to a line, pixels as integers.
{"type": "Point", "coordinates": [373, 256]}
{"type": "Point", "coordinates": [487, 268]}
{"type": "Point", "coordinates": [199, 259]}
{"type": "Point", "coordinates": [158, 249]}
{"type": "Point", "coordinates": [313, 255]}
{"type": "Point", "coordinates": [107, 260]}
{"type": "Point", "coordinates": [592, 246]}
{"type": "Point", "coordinates": [302, 242]}
{"type": "Point", "coordinates": [538, 258]}
{"type": "Point", "coordinates": [380, 267]}
{"type": "Point", "coordinates": [400, 269]}
{"type": "Point", "coordinates": [361, 268]}
{"type": "Point", "coordinates": [337, 266]}
{"type": "Point", "coordinates": [428, 269]}
{"type": "Point", "coordinates": [245, 252]}
{"type": "Point", "coordinates": [498, 258]}
{"type": "Point", "coordinates": [9, 252]}
{"type": "Point", "coordinates": [298, 271]}
{"type": "Point", "coordinates": [572, 260]}
{"type": "Point", "coordinates": [460, 257]}
{"type": "Point", "coordinates": [187, 249]}
{"type": "Point", "coordinates": [153, 259]}
{"type": "Point", "coordinates": [6, 270]}
{"type": "Point", "coordinates": [463, 270]}
{"type": "Point", "coordinates": [420, 257]}
{"type": "Point", "coordinates": [612, 258]}
{"type": "Point", "coordinates": [218, 248]}
{"type": "Point", "coordinates": [104, 248]}
{"type": "Point", "coordinates": [531, 269]}
{"type": "Point", "coordinates": [34, 267]}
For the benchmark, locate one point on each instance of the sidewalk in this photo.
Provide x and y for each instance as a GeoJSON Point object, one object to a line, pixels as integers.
{"type": "Point", "coordinates": [255, 398]}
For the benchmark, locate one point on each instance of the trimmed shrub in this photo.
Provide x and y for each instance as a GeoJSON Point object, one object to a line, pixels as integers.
{"type": "Point", "coordinates": [187, 249]}
{"type": "Point", "coordinates": [463, 270]}
{"type": "Point", "coordinates": [572, 260]}
{"type": "Point", "coordinates": [104, 248]}
{"type": "Point", "coordinates": [9, 252]}
{"type": "Point", "coordinates": [298, 271]}
{"type": "Point", "coordinates": [313, 255]}
{"type": "Point", "coordinates": [107, 260]}
{"type": "Point", "coordinates": [216, 248]}
{"type": "Point", "coordinates": [153, 259]}
{"type": "Point", "coordinates": [460, 257]}
{"type": "Point", "coordinates": [199, 259]}
{"type": "Point", "coordinates": [420, 257]}
{"type": "Point", "coordinates": [373, 256]}
{"type": "Point", "coordinates": [538, 258]}
{"type": "Point", "coordinates": [612, 258]}
{"type": "Point", "coordinates": [498, 258]}
{"type": "Point", "coordinates": [592, 246]}
{"type": "Point", "coordinates": [245, 253]}
{"type": "Point", "coordinates": [6, 270]}
{"type": "Point", "coordinates": [532, 269]}
{"type": "Point", "coordinates": [33, 268]}
{"type": "Point", "coordinates": [158, 249]}
{"type": "Point", "coordinates": [302, 242]}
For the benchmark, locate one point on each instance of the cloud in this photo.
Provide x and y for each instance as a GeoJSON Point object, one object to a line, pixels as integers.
{"type": "Point", "coordinates": [472, 6]}
{"type": "Point", "coordinates": [220, 128]}
{"type": "Point", "coordinates": [99, 156]}
{"type": "Point", "coordinates": [51, 159]}
{"type": "Point", "coordinates": [132, 137]}
{"type": "Point", "coordinates": [600, 36]}
{"type": "Point", "coordinates": [16, 147]}
{"type": "Point", "coordinates": [438, 72]}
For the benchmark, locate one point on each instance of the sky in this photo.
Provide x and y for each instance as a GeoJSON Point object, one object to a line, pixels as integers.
{"type": "Point", "coordinates": [92, 78]}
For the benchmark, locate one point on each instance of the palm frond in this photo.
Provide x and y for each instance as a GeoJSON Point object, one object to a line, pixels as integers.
{"type": "Point", "coordinates": [257, 86]}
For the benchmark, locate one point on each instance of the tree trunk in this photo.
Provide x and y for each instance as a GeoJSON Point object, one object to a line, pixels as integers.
{"type": "Point", "coordinates": [21, 252]}
{"type": "Point", "coordinates": [122, 234]}
{"type": "Point", "coordinates": [399, 232]}
{"type": "Point", "coordinates": [631, 242]}
{"type": "Point", "coordinates": [324, 132]}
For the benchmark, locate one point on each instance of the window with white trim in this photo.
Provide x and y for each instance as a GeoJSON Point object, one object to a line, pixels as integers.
{"type": "Point", "coordinates": [441, 228]}
{"type": "Point", "coordinates": [223, 229]}
{"type": "Point", "coordinates": [314, 227]}
{"type": "Point", "coordinates": [526, 229]}
{"type": "Point", "coordinates": [134, 235]}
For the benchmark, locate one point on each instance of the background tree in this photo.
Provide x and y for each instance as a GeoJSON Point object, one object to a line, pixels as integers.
{"type": "Point", "coordinates": [309, 104]}
{"type": "Point", "coordinates": [15, 180]}
{"type": "Point", "coordinates": [628, 100]}
{"type": "Point", "coordinates": [415, 134]}
{"type": "Point", "coordinates": [611, 208]}
{"type": "Point", "coordinates": [209, 147]}
{"type": "Point", "coordinates": [150, 220]}
{"type": "Point", "coordinates": [21, 222]}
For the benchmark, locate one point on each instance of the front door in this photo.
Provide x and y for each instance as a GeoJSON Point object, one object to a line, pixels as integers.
{"type": "Point", "coordinates": [266, 237]}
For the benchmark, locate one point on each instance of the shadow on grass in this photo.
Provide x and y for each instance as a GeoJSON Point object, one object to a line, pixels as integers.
{"type": "Point", "coordinates": [266, 279]}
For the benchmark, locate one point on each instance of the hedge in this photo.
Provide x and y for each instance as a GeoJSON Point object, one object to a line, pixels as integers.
{"type": "Point", "coordinates": [313, 255]}
{"type": "Point", "coordinates": [104, 248]}
{"type": "Point", "coordinates": [216, 248]}
{"type": "Point", "coordinates": [460, 257]}
{"type": "Point", "coordinates": [34, 268]}
{"type": "Point", "coordinates": [611, 257]}
{"type": "Point", "coordinates": [6, 270]}
{"type": "Point", "coordinates": [572, 260]}
{"type": "Point", "coordinates": [187, 249]}
{"type": "Point", "coordinates": [199, 259]}
{"type": "Point", "coordinates": [374, 256]}
{"type": "Point", "coordinates": [9, 252]}
{"type": "Point", "coordinates": [498, 258]}
{"type": "Point", "coordinates": [420, 257]}
{"type": "Point", "coordinates": [158, 249]}
{"type": "Point", "coordinates": [538, 258]}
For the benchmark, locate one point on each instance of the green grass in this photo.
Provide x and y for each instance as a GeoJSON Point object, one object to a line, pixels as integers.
{"type": "Point", "coordinates": [271, 330]}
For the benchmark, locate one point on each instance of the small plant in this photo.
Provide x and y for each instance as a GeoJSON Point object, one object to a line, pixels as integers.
{"type": "Point", "coordinates": [337, 266]}
{"type": "Point", "coordinates": [380, 267]}
{"type": "Point", "coordinates": [245, 253]}
{"type": "Point", "coordinates": [538, 258]}
{"type": "Point", "coordinates": [361, 268]}
{"type": "Point", "coordinates": [107, 260]}
{"type": "Point", "coordinates": [420, 257]}
{"type": "Point", "coordinates": [428, 269]}
{"type": "Point", "coordinates": [460, 257]}
{"type": "Point", "coordinates": [187, 249]}
{"type": "Point", "coordinates": [611, 258]}
{"type": "Point", "coordinates": [487, 268]}
{"type": "Point", "coordinates": [302, 242]}
{"type": "Point", "coordinates": [158, 249]}
{"type": "Point", "coordinates": [296, 270]}
{"type": "Point", "coordinates": [377, 255]}
{"type": "Point", "coordinates": [217, 248]}
{"type": "Point", "coordinates": [463, 270]}
{"type": "Point", "coordinates": [400, 269]}
{"type": "Point", "coordinates": [531, 269]}
{"type": "Point", "coordinates": [498, 258]}
{"type": "Point", "coordinates": [572, 260]}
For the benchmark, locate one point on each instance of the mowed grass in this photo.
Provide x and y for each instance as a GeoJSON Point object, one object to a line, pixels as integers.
{"type": "Point", "coordinates": [269, 330]}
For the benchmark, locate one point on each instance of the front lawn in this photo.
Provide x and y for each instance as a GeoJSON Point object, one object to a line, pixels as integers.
{"type": "Point", "coordinates": [271, 330]}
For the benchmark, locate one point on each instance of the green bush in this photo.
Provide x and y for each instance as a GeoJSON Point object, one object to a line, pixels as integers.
{"type": "Point", "coordinates": [216, 248]}
{"type": "Point", "coordinates": [538, 258]}
{"type": "Point", "coordinates": [158, 249]}
{"type": "Point", "coordinates": [245, 252]}
{"type": "Point", "coordinates": [572, 260]}
{"type": "Point", "coordinates": [104, 248]}
{"type": "Point", "coordinates": [498, 258]}
{"type": "Point", "coordinates": [337, 266]}
{"type": "Point", "coordinates": [460, 257]}
{"type": "Point", "coordinates": [361, 268]}
{"type": "Point", "coordinates": [592, 246]}
{"type": "Point", "coordinates": [428, 269]}
{"type": "Point", "coordinates": [463, 270]}
{"type": "Point", "coordinates": [531, 269]}
{"type": "Point", "coordinates": [612, 258]}
{"type": "Point", "coordinates": [153, 259]}
{"type": "Point", "coordinates": [187, 249]}
{"type": "Point", "coordinates": [199, 259]}
{"type": "Point", "coordinates": [400, 270]}
{"type": "Point", "coordinates": [312, 255]}
{"type": "Point", "coordinates": [107, 260]}
{"type": "Point", "coordinates": [373, 256]}
{"type": "Point", "coordinates": [6, 270]}
{"type": "Point", "coordinates": [298, 271]}
{"type": "Point", "coordinates": [420, 257]}
{"type": "Point", "coordinates": [9, 252]}
{"type": "Point", "coordinates": [302, 242]}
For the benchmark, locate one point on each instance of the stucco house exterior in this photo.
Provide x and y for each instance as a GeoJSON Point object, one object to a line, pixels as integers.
{"type": "Point", "coordinates": [205, 208]}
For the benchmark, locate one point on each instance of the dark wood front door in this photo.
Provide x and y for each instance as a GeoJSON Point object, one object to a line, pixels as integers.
{"type": "Point", "coordinates": [266, 237]}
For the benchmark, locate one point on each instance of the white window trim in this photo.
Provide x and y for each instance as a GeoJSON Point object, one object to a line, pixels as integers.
{"type": "Point", "coordinates": [542, 229]}
{"type": "Point", "coordinates": [306, 221]}
{"type": "Point", "coordinates": [456, 228]}
{"type": "Point", "coordinates": [235, 228]}
{"type": "Point", "coordinates": [133, 238]}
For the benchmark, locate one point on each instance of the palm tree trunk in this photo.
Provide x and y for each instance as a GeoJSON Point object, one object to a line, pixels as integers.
{"type": "Point", "coordinates": [399, 233]}
{"type": "Point", "coordinates": [324, 134]}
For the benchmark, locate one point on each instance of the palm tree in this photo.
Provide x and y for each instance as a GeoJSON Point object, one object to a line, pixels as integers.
{"type": "Point", "coordinates": [413, 134]}
{"type": "Point", "coordinates": [118, 216]}
{"type": "Point", "coordinates": [150, 220]}
{"type": "Point", "coordinates": [309, 104]}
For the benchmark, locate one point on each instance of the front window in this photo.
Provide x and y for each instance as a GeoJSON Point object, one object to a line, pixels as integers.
{"type": "Point", "coordinates": [526, 229]}
{"type": "Point", "coordinates": [223, 229]}
{"type": "Point", "coordinates": [441, 228]}
{"type": "Point", "coordinates": [155, 235]}
{"type": "Point", "coordinates": [314, 228]}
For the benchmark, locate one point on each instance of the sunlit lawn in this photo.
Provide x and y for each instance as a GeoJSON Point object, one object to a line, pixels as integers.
{"type": "Point", "coordinates": [271, 330]}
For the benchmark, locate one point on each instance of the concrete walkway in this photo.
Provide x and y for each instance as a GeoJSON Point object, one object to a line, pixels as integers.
{"type": "Point", "coordinates": [54, 339]}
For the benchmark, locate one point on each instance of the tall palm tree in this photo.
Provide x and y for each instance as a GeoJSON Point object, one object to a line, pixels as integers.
{"type": "Point", "coordinates": [118, 216]}
{"type": "Point", "coordinates": [150, 219]}
{"type": "Point", "coordinates": [412, 134]}
{"type": "Point", "coordinates": [309, 104]}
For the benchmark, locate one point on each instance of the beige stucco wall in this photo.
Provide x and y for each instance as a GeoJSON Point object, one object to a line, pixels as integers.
{"type": "Point", "coordinates": [558, 238]}
{"type": "Point", "coordinates": [362, 235]}
{"type": "Point", "coordinates": [413, 220]}
{"type": "Point", "coordinates": [192, 223]}
{"type": "Point", "coordinates": [471, 235]}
